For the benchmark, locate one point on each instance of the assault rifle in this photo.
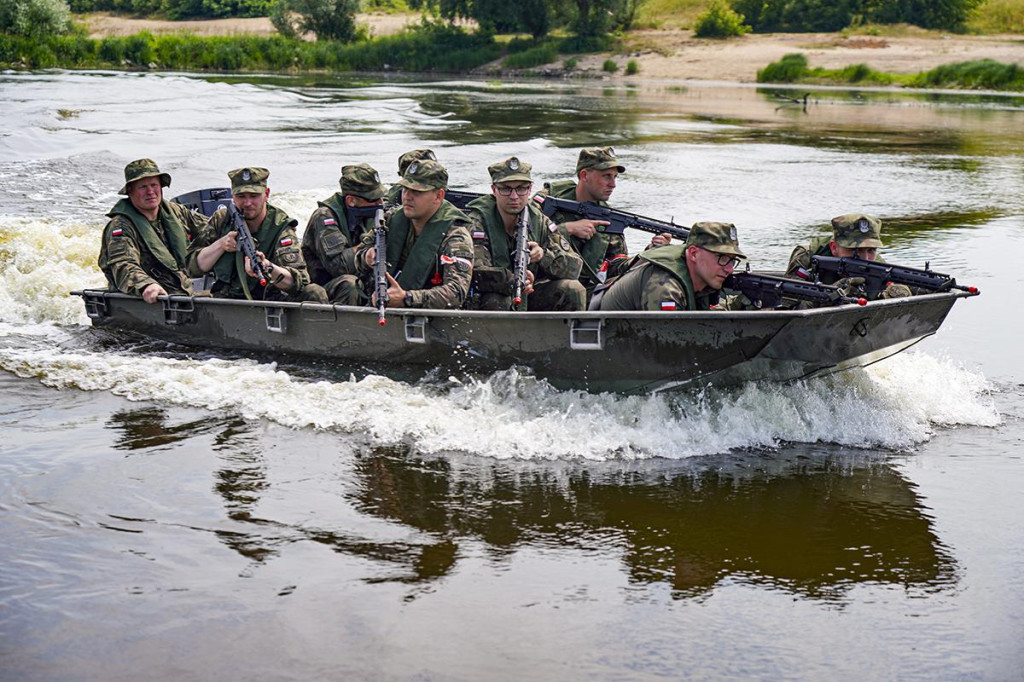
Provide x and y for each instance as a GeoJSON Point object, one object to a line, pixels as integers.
{"type": "Point", "coordinates": [767, 291]}
{"type": "Point", "coordinates": [246, 244]}
{"type": "Point", "coordinates": [618, 220]}
{"type": "Point", "coordinates": [878, 275]}
{"type": "Point", "coordinates": [521, 258]}
{"type": "Point", "coordinates": [380, 268]}
{"type": "Point", "coordinates": [459, 198]}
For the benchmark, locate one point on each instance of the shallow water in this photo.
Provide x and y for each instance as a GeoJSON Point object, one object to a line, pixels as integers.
{"type": "Point", "coordinates": [171, 514]}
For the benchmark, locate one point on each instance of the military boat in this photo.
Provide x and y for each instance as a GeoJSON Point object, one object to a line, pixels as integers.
{"type": "Point", "coordinates": [622, 352]}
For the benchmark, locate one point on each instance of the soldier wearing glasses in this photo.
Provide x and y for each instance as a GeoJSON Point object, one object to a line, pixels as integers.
{"type": "Point", "coordinates": [676, 277]}
{"type": "Point", "coordinates": [554, 267]}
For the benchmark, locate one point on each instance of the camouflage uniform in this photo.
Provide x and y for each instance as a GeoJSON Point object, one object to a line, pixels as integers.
{"type": "Point", "coordinates": [603, 254]}
{"type": "Point", "coordinates": [333, 234]}
{"type": "Point", "coordinates": [393, 197]}
{"type": "Point", "coordinates": [136, 252]}
{"type": "Point", "coordinates": [850, 231]}
{"type": "Point", "coordinates": [275, 237]}
{"type": "Point", "coordinates": [435, 267]}
{"type": "Point", "coordinates": [659, 278]}
{"type": "Point", "coordinates": [555, 286]}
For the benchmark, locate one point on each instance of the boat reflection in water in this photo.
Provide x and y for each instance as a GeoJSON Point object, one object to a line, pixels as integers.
{"type": "Point", "coordinates": [816, 523]}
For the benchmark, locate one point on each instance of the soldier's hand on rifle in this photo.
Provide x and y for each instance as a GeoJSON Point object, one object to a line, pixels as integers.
{"type": "Point", "coordinates": [528, 289]}
{"type": "Point", "coordinates": [153, 290]}
{"type": "Point", "coordinates": [584, 229]}
{"type": "Point", "coordinates": [661, 239]}
{"type": "Point", "coordinates": [850, 286]}
{"type": "Point", "coordinates": [370, 256]}
{"type": "Point", "coordinates": [536, 252]}
{"type": "Point", "coordinates": [396, 294]}
{"type": "Point", "coordinates": [229, 242]}
{"type": "Point", "coordinates": [268, 267]}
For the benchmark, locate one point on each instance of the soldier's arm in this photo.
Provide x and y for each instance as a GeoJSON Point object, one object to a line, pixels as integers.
{"type": "Point", "coordinates": [663, 292]}
{"type": "Point", "coordinates": [365, 244]}
{"type": "Point", "coordinates": [288, 271]}
{"type": "Point", "coordinates": [800, 258]}
{"type": "Point", "coordinates": [194, 222]}
{"type": "Point", "coordinates": [488, 278]}
{"type": "Point", "coordinates": [559, 260]}
{"type": "Point", "coordinates": [122, 258]}
{"type": "Point", "coordinates": [331, 245]}
{"type": "Point", "coordinates": [456, 255]}
{"type": "Point", "coordinates": [203, 250]}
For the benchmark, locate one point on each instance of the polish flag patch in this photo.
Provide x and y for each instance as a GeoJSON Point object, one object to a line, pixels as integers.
{"type": "Point", "coordinates": [668, 305]}
{"type": "Point", "coordinates": [287, 241]}
{"type": "Point", "coordinates": [330, 221]}
{"type": "Point", "coordinates": [479, 235]}
{"type": "Point", "coordinates": [117, 232]}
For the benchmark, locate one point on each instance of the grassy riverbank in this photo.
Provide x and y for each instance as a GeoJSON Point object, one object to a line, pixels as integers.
{"type": "Point", "coordinates": [986, 74]}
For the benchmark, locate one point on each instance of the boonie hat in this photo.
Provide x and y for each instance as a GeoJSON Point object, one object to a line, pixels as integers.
{"type": "Point", "coordinates": [361, 180]}
{"type": "Point", "coordinates": [423, 176]}
{"type": "Point", "coordinates": [716, 237]}
{"type": "Point", "coordinates": [598, 158]}
{"type": "Point", "coordinates": [143, 168]}
{"type": "Point", "coordinates": [415, 155]}
{"type": "Point", "coordinates": [249, 180]}
{"type": "Point", "coordinates": [509, 170]}
{"type": "Point", "coordinates": [857, 231]}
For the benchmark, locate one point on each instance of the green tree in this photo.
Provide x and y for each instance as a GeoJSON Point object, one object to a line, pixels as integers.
{"type": "Point", "coordinates": [327, 19]}
{"type": "Point", "coordinates": [34, 18]}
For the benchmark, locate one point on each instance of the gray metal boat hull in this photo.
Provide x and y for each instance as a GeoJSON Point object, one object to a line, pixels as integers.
{"type": "Point", "coordinates": [624, 352]}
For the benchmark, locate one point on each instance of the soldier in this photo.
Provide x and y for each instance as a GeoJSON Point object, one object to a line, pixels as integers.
{"type": "Point", "coordinates": [144, 246]}
{"type": "Point", "coordinates": [603, 254]}
{"type": "Point", "coordinates": [554, 269]}
{"type": "Point", "coordinates": [393, 197]}
{"type": "Point", "coordinates": [216, 249]}
{"type": "Point", "coordinates": [853, 234]}
{"type": "Point", "coordinates": [335, 229]}
{"type": "Point", "coordinates": [429, 248]}
{"type": "Point", "coordinates": [676, 277]}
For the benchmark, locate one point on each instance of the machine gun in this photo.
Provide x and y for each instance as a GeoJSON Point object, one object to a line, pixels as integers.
{"type": "Point", "coordinates": [380, 268]}
{"type": "Point", "coordinates": [878, 275]}
{"type": "Point", "coordinates": [618, 220]}
{"type": "Point", "coordinates": [767, 291]}
{"type": "Point", "coordinates": [521, 257]}
{"type": "Point", "coordinates": [246, 244]}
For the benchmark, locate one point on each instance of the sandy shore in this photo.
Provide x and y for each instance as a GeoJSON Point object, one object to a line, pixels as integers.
{"type": "Point", "coordinates": [676, 54]}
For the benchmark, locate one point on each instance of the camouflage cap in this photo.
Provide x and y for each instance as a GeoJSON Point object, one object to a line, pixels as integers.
{"type": "Point", "coordinates": [715, 237]}
{"type": "Point", "coordinates": [509, 170]}
{"type": "Point", "coordinates": [423, 176]}
{"type": "Point", "coordinates": [143, 168]}
{"type": "Point", "coordinates": [415, 155]}
{"type": "Point", "coordinates": [361, 180]}
{"type": "Point", "coordinates": [857, 231]}
{"type": "Point", "coordinates": [249, 180]}
{"type": "Point", "coordinates": [598, 158]}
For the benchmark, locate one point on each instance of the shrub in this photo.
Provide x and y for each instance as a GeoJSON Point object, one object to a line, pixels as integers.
{"type": "Point", "coordinates": [535, 56]}
{"type": "Point", "coordinates": [34, 18]}
{"type": "Point", "coordinates": [720, 21]}
{"type": "Point", "coordinates": [610, 65]}
{"type": "Point", "coordinates": [789, 69]}
{"type": "Point", "coordinates": [984, 73]}
{"type": "Point", "coordinates": [571, 63]}
{"type": "Point", "coordinates": [632, 67]}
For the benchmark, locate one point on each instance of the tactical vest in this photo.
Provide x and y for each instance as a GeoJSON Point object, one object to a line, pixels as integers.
{"type": "Point", "coordinates": [171, 255]}
{"type": "Point", "coordinates": [673, 259]}
{"type": "Point", "coordinates": [230, 268]}
{"type": "Point", "coordinates": [592, 250]}
{"type": "Point", "coordinates": [417, 267]}
{"type": "Point", "coordinates": [487, 207]}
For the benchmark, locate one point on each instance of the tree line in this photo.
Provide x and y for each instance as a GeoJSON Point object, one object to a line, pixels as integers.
{"type": "Point", "coordinates": [586, 19]}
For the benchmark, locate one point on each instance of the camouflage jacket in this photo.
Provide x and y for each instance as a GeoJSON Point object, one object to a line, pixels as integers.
{"type": "Point", "coordinates": [328, 244]}
{"type": "Point", "coordinates": [275, 237]}
{"type": "Point", "coordinates": [131, 260]}
{"type": "Point", "coordinates": [603, 254]}
{"type": "Point", "coordinates": [493, 247]}
{"type": "Point", "coordinates": [435, 267]}
{"type": "Point", "coordinates": [657, 279]}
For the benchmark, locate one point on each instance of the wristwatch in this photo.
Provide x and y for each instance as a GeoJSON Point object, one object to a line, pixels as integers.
{"type": "Point", "coordinates": [408, 299]}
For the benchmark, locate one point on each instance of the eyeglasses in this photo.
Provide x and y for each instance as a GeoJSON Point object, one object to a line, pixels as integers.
{"type": "Point", "coordinates": [725, 261]}
{"type": "Point", "coordinates": [506, 190]}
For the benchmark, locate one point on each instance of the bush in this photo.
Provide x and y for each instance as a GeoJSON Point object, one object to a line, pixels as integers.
{"type": "Point", "coordinates": [610, 65]}
{"type": "Point", "coordinates": [789, 69]}
{"type": "Point", "coordinates": [571, 63]}
{"type": "Point", "coordinates": [535, 56]}
{"type": "Point", "coordinates": [34, 18]}
{"type": "Point", "coordinates": [720, 21]}
{"type": "Point", "coordinates": [632, 67]}
{"type": "Point", "coordinates": [328, 19]}
{"type": "Point", "coordinates": [983, 74]}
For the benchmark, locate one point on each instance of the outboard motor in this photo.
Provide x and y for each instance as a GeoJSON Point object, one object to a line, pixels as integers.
{"type": "Point", "coordinates": [206, 201]}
